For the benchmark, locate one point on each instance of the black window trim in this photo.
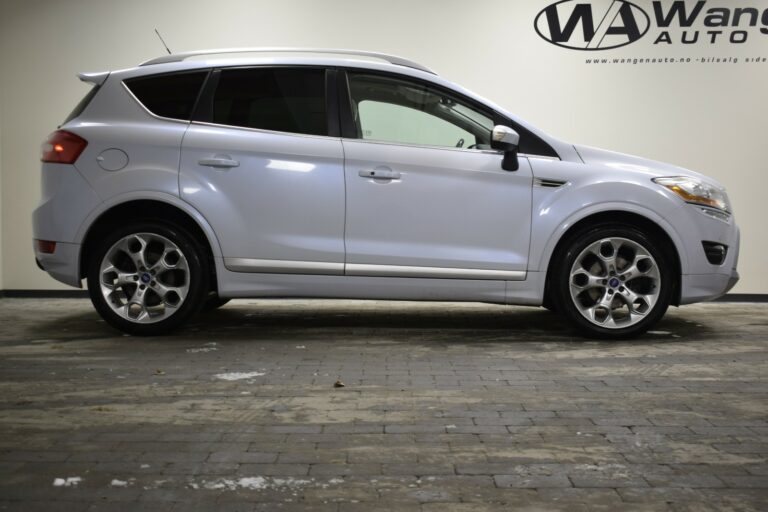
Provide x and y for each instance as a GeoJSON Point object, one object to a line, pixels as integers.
{"type": "Point", "coordinates": [204, 105]}
{"type": "Point", "coordinates": [203, 112]}
{"type": "Point", "coordinates": [171, 73]}
{"type": "Point", "coordinates": [349, 127]}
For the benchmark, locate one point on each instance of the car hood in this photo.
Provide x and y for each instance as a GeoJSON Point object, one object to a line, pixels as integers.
{"type": "Point", "coordinates": [622, 162]}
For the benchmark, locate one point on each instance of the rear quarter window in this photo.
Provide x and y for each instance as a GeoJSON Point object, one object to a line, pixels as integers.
{"type": "Point", "coordinates": [170, 95]}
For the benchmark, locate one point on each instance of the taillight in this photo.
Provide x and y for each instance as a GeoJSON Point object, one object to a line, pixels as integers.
{"type": "Point", "coordinates": [63, 147]}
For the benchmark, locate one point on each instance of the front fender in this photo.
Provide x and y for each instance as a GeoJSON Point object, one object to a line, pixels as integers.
{"type": "Point", "coordinates": [585, 193]}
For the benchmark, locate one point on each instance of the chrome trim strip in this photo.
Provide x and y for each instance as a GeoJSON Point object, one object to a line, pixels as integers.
{"type": "Point", "coordinates": [540, 157]}
{"type": "Point", "coordinates": [260, 266]}
{"type": "Point", "coordinates": [548, 182]}
{"type": "Point", "coordinates": [408, 145]}
{"type": "Point", "coordinates": [446, 148]}
{"type": "Point", "coordinates": [357, 269]}
{"type": "Point", "coordinates": [261, 130]}
{"type": "Point", "coordinates": [283, 266]}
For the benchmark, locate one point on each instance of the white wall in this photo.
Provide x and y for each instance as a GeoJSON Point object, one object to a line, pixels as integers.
{"type": "Point", "coordinates": [708, 117]}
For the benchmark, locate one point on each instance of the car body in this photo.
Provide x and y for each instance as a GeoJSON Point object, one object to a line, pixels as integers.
{"type": "Point", "coordinates": [358, 191]}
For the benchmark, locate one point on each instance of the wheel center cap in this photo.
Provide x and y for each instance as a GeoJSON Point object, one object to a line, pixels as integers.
{"type": "Point", "coordinates": [145, 278]}
{"type": "Point", "coordinates": [614, 283]}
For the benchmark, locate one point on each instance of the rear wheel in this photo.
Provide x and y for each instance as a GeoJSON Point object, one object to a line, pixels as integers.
{"type": "Point", "coordinates": [146, 279]}
{"type": "Point", "coordinates": [613, 281]}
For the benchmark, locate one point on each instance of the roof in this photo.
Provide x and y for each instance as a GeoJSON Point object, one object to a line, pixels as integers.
{"type": "Point", "coordinates": [392, 59]}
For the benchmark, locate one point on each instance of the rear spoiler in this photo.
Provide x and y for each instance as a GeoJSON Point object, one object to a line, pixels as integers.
{"type": "Point", "coordinates": [94, 78]}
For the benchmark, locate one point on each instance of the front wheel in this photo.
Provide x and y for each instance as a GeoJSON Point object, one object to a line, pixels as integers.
{"type": "Point", "coordinates": [613, 281]}
{"type": "Point", "coordinates": [146, 279]}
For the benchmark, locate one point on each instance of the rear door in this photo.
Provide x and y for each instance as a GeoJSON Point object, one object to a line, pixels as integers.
{"type": "Point", "coordinates": [261, 162]}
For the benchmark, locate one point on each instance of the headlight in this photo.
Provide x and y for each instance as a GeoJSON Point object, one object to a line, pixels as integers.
{"type": "Point", "coordinates": [696, 191]}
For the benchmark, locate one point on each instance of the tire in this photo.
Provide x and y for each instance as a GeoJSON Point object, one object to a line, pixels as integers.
{"type": "Point", "coordinates": [146, 278]}
{"type": "Point", "coordinates": [549, 305]}
{"type": "Point", "coordinates": [612, 281]}
{"type": "Point", "coordinates": [213, 301]}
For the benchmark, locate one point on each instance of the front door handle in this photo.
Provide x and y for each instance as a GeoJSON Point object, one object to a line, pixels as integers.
{"type": "Point", "coordinates": [219, 162]}
{"type": "Point", "coordinates": [379, 174]}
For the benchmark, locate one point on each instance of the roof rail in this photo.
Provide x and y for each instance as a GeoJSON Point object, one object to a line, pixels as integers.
{"type": "Point", "coordinates": [392, 59]}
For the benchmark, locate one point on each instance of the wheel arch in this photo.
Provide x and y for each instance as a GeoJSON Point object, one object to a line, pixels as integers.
{"type": "Point", "coordinates": [624, 217]}
{"type": "Point", "coordinates": [153, 210]}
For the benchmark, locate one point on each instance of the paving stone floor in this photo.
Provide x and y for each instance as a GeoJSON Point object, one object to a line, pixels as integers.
{"type": "Point", "coordinates": [446, 407]}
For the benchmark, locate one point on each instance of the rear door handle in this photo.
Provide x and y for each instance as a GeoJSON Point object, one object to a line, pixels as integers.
{"type": "Point", "coordinates": [379, 174]}
{"type": "Point", "coordinates": [219, 162]}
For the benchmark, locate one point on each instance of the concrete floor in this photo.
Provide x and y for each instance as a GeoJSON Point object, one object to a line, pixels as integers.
{"type": "Point", "coordinates": [447, 407]}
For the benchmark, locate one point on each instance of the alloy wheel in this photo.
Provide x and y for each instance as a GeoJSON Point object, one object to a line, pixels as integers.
{"type": "Point", "coordinates": [615, 282]}
{"type": "Point", "coordinates": [144, 277]}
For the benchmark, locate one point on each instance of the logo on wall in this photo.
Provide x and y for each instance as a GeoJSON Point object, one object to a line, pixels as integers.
{"type": "Point", "coordinates": [606, 24]}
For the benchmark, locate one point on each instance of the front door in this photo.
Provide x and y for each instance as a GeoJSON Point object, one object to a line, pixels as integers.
{"type": "Point", "coordinates": [426, 196]}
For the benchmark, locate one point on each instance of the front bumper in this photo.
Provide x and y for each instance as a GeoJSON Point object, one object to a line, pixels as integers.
{"type": "Point", "coordinates": [702, 281]}
{"type": "Point", "coordinates": [704, 287]}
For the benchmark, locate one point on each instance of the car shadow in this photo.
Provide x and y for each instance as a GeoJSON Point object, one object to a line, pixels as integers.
{"type": "Point", "coordinates": [472, 323]}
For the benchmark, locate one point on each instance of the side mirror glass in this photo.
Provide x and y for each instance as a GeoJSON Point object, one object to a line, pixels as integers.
{"type": "Point", "coordinates": [507, 140]}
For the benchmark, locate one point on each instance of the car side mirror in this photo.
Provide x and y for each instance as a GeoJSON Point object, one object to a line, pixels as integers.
{"type": "Point", "coordinates": [504, 138]}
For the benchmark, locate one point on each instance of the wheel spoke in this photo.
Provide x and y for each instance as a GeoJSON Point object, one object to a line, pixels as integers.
{"type": "Point", "coordinates": [160, 264]}
{"type": "Point", "coordinates": [119, 278]}
{"type": "Point", "coordinates": [134, 247]}
{"type": "Point", "coordinates": [124, 278]}
{"type": "Point", "coordinates": [606, 301]}
{"type": "Point", "coordinates": [170, 260]}
{"type": "Point", "coordinates": [583, 280]}
{"type": "Point", "coordinates": [144, 315]}
{"type": "Point", "coordinates": [142, 254]}
{"type": "Point", "coordinates": [139, 296]}
{"type": "Point", "coordinates": [166, 293]}
{"type": "Point", "coordinates": [642, 263]}
{"type": "Point", "coordinates": [123, 311]}
{"type": "Point", "coordinates": [606, 250]}
{"type": "Point", "coordinates": [602, 311]}
{"type": "Point", "coordinates": [632, 298]}
{"type": "Point", "coordinates": [631, 273]}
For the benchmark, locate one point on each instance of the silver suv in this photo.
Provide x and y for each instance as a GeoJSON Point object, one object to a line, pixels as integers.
{"type": "Point", "coordinates": [199, 177]}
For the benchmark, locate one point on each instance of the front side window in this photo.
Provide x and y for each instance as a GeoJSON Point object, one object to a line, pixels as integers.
{"type": "Point", "coordinates": [277, 99]}
{"type": "Point", "coordinates": [393, 110]}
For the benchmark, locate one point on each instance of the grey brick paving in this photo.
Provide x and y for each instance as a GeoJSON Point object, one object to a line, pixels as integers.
{"type": "Point", "coordinates": [447, 407]}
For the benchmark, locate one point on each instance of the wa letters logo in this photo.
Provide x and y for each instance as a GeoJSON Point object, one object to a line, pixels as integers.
{"type": "Point", "coordinates": [592, 25]}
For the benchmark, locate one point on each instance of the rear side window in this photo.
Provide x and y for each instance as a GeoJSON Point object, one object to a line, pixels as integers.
{"type": "Point", "coordinates": [171, 96]}
{"type": "Point", "coordinates": [277, 99]}
{"type": "Point", "coordinates": [83, 103]}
